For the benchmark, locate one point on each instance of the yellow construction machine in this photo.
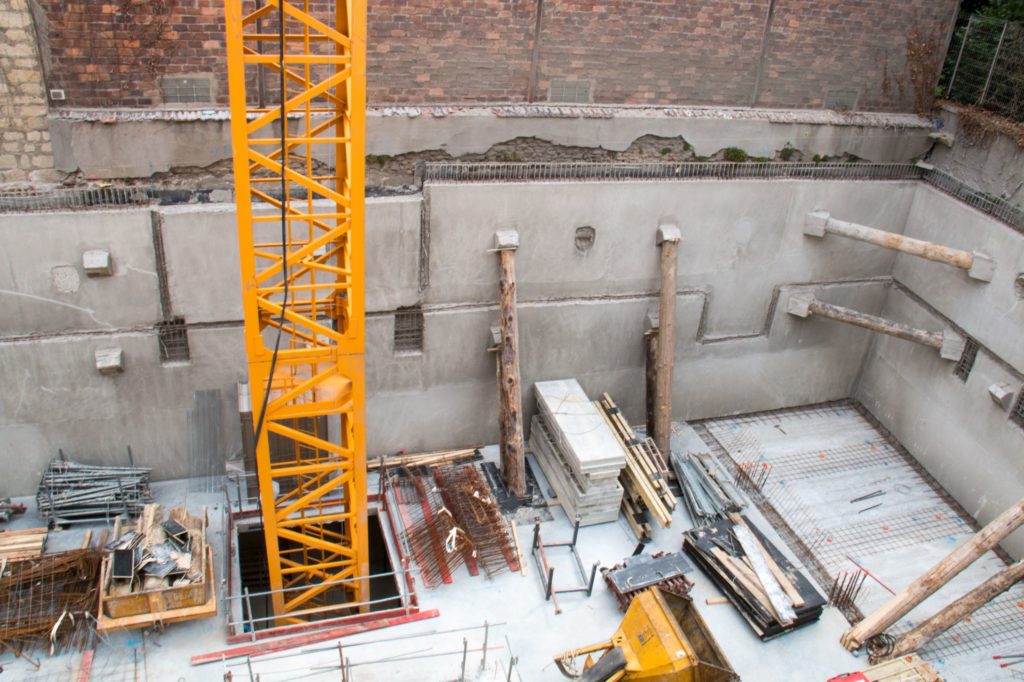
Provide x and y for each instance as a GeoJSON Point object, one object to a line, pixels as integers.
{"type": "Point", "coordinates": [662, 638]}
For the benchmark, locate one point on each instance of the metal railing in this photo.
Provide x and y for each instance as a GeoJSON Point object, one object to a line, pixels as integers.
{"type": "Point", "coordinates": [456, 172]}
{"type": "Point", "coordinates": [985, 66]}
{"type": "Point", "coordinates": [975, 198]}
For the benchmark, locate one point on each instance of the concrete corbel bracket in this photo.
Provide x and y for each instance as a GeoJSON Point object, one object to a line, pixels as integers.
{"type": "Point", "coordinates": [667, 232]}
{"type": "Point", "coordinates": [983, 267]}
{"type": "Point", "coordinates": [109, 360]}
{"type": "Point", "coordinates": [1001, 394]}
{"type": "Point", "coordinates": [96, 263]}
{"type": "Point", "coordinates": [799, 305]}
{"type": "Point", "coordinates": [506, 240]}
{"type": "Point", "coordinates": [651, 321]}
{"type": "Point", "coordinates": [815, 223]}
{"type": "Point", "coordinates": [952, 345]}
{"type": "Point", "coordinates": [495, 337]}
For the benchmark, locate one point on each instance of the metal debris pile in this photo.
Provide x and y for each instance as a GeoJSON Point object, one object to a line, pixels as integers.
{"type": "Point", "coordinates": [51, 599]}
{"type": "Point", "coordinates": [158, 553]}
{"type": "Point", "coordinates": [708, 491]}
{"type": "Point", "coordinates": [70, 492]}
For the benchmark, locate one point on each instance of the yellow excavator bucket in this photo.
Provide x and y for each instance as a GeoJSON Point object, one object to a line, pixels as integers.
{"type": "Point", "coordinates": [662, 638]}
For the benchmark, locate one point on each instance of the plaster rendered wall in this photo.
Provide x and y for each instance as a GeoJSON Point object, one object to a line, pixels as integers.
{"type": "Point", "coordinates": [960, 435]}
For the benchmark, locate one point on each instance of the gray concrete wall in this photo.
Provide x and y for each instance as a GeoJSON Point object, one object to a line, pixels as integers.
{"type": "Point", "coordinates": [954, 429]}
{"type": "Point", "coordinates": [990, 160]}
{"type": "Point", "coordinates": [106, 144]}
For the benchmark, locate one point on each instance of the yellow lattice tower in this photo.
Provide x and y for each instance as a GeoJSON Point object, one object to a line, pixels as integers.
{"type": "Point", "coordinates": [301, 248]}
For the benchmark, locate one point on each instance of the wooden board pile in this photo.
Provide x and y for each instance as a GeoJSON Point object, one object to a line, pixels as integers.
{"type": "Point", "coordinates": [70, 492]}
{"type": "Point", "coordinates": [577, 451]}
{"type": "Point", "coordinates": [708, 491]}
{"type": "Point", "coordinates": [48, 601]}
{"type": "Point", "coordinates": [771, 595]}
{"type": "Point", "coordinates": [644, 479]}
{"type": "Point", "coordinates": [22, 544]}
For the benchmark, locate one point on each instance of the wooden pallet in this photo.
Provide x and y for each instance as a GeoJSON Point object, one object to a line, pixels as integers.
{"type": "Point", "coordinates": [22, 544]}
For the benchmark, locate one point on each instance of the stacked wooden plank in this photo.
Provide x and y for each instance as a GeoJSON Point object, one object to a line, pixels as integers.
{"type": "Point", "coordinates": [22, 544]}
{"type": "Point", "coordinates": [577, 451]}
{"type": "Point", "coordinates": [769, 592]}
{"type": "Point", "coordinates": [645, 476]}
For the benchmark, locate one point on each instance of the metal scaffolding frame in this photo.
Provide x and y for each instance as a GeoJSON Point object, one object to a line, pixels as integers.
{"type": "Point", "coordinates": [300, 235]}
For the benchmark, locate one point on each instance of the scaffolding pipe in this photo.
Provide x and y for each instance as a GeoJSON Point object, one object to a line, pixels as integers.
{"type": "Point", "coordinates": [978, 265]}
{"type": "Point", "coordinates": [949, 344]}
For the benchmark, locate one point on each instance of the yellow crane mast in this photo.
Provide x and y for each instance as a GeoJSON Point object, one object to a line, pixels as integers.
{"type": "Point", "coordinates": [299, 184]}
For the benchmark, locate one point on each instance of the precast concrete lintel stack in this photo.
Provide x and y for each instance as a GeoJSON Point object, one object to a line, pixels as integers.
{"type": "Point", "coordinates": [577, 451]}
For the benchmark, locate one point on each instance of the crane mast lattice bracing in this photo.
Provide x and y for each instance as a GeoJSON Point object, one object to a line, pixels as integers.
{"type": "Point", "coordinates": [301, 251]}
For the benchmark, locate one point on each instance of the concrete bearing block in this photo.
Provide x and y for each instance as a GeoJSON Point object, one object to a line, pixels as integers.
{"type": "Point", "coordinates": [110, 360]}
{"type": "Point", "coordinates": [495, 336]}
{"type": "Point", "coordinates": [815, 222]}
{"type": "Point", "coordinates": [942, 138]}
{"type": "Point", "coordinates": [799, 305]}
{"type": "Point", "coordinates": [1001, 394]}
{"type": "Point", "coordinates": [983, 268]}
{"type": "Point", "coordinates": [97, 263]}
{"type": "Point", "coordinates": [667, 232]}
{"type": "Point", "coordinates": [506, 240]}
{"type": "Point", "coordinates": [952, 345]}
{"type": "Point", "coordinates": [652, 321]}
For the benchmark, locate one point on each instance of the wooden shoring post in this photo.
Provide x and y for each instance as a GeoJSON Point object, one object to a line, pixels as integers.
{"type": "Point", "coordinates": [978, 265]}
{"type": "Point", "coordinates": [650, 370]}
{"type": "Point", "coordinates": [911, 641]}
{"type": "Point", "coordinates": [668, 238]}
{"type": "Point", "coordinates": [510, 416]}
{"type": "Point", "coordinates": [932, 581]}
{"type": "Point", "coordinates": [949, 344]}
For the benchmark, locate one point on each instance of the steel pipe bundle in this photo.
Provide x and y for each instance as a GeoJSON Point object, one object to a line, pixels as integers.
{"type": "Point", "coordinates": [70, 492]}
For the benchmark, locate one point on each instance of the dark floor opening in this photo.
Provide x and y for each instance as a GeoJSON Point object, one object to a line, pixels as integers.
{"type": "Point", "coordinates": [255, 579]}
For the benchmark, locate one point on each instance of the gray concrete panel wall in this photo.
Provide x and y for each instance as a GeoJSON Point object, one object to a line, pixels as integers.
{"type": "Point", "coordinates": [57, 399]}
{"type": "Point", "coordinates": [736, 250]}
{"type": "Point", "coordinates": [954, 429]}
{"type": "Point", "coordinates": [992, 312]}
{"type": "Point", "coordinates": [44, 288]}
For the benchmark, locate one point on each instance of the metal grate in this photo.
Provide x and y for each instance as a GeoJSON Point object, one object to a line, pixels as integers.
{"type": "Point", "coordinates": [562, 90]}
{"type": "Point", "coordinates": [409, 329]}
{"type": "Point", "coordinates": [187, 89]}
{"type": "Point", "coordinates": [966, 364]}
{"type": "Point", "coordinates": [173, 338]}
{"type": "Point", "coordinates": [74, 199]}
{"type": "Point", "coordinates": [1017, 413]}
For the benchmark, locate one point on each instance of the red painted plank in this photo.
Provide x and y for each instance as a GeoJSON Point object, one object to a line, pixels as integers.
{"type": "Point", "coordinates": [333, 623]}
{"type": "Point", "coordinates": [261, 648]}
{"type": "Point", "coordinates": [85, 667]}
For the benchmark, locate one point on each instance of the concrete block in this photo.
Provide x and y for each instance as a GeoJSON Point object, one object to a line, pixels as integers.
{"type": "Point", "coordinates": [667, 232]}
{"type": "Point", "coordinates": [924, 165]}
{"type": "Point", "coordinates": [1001, 394]}
{"type": "Point", "coordinates": [983, 268]}
{"type": "Point", "coordinates": [952, 345]}
{"type": "Point", "coordinates": [97, 263]}
{"type": "Point", "coordinates": [815, 222]}
{"type": "Point", "coordinates": [495, 336]}
{"type": "Point", "coordinates": [652, 320]}
{"type": "Point", "coordinates": [942, 138]}
{"type": "Point", "coordinates": [799, 305]}
{"type": "Point", "coordinates": [110, 360]}
{"type": "Point", "coordinates": [506, 240]}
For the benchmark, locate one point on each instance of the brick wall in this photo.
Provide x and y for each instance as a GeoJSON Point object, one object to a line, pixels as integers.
{"type": "Point", "coordinates": [25, 152]}
{"type": "Point", "coordinates": [114, 52]}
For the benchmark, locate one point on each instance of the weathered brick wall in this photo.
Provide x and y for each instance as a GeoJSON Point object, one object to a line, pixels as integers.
{"type": "Point", "coordinates": [24, 135]}
{"type": "Point", "coordinates": [113, 52]}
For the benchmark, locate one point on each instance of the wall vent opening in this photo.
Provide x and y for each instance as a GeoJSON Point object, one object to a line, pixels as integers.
{"type": "Point", "coordinates": [187, 89]}
{"type": "Point", "coordinates": [173, 337]}
{"type": "Point", "coordinates": [562, 90]}
{"type": "Point", "coordinates": [966, 363]}
{"type": "Point", "coordinates": [1017, 411]}
{"type": "Point", "coordinates": [409, 329]}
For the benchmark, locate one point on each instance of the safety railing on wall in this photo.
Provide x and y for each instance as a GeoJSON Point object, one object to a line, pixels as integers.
{"type": "Point", "coordinates": [985, 66]}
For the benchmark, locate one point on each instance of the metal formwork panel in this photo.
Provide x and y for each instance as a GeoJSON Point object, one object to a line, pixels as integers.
{"type": "Point", "coordinates": [300, 196]}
